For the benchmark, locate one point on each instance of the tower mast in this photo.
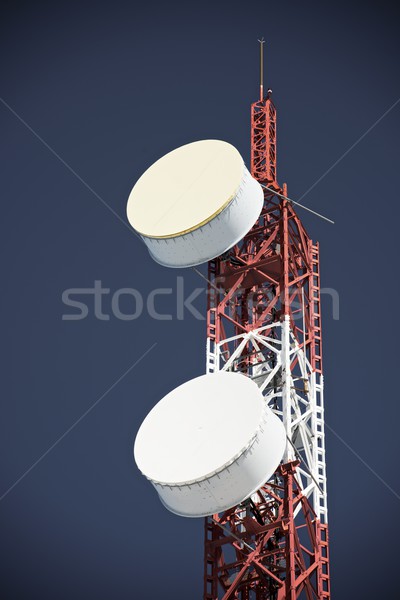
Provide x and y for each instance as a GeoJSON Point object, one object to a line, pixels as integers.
{"type": "Point", "coordinates": [264, 320]}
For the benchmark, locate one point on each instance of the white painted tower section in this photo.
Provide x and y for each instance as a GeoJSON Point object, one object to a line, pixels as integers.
{"type": "Point", "coordinates": [296, 397]}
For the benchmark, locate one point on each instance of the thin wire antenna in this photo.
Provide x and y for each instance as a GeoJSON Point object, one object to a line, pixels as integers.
{"type": "Point", "coordinates": [262, 42]}
{"type": "Point", "coordinates": [297, 204]}
{"type": "Point", "coordinates": [230, 533]}
{"type": "Point", "coordinates": [207, 280]}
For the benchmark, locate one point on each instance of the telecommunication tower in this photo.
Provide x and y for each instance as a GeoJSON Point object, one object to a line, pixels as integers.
{"type": "Point", "coordinates": [243, 445]}
{"type": "Point", "coordinates": [266, 293]}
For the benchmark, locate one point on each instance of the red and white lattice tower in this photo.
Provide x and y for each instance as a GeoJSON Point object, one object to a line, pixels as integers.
{"type": "Point", "coordinates": [264, 320]}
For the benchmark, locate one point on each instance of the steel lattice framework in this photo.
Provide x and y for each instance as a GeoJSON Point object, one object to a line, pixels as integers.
{"type": "Point", "coordinates": [264, 320]}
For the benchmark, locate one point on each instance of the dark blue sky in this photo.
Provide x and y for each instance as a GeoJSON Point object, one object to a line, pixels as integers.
{"type": "Point", "coordinates": [110, 87]}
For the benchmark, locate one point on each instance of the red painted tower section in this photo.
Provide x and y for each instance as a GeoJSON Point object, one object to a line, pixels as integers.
{"type": "Point", "coordinates": [264, 320]}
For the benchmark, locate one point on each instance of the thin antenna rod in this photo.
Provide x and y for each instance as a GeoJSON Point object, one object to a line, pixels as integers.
{"type": "Point", "coordinates": [297, 203]}
{"type": "Point", "coordinates": [262, 42]}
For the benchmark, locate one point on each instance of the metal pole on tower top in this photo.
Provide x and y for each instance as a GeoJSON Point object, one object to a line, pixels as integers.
{"type": "Point", "coordinates": [262, 42]}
